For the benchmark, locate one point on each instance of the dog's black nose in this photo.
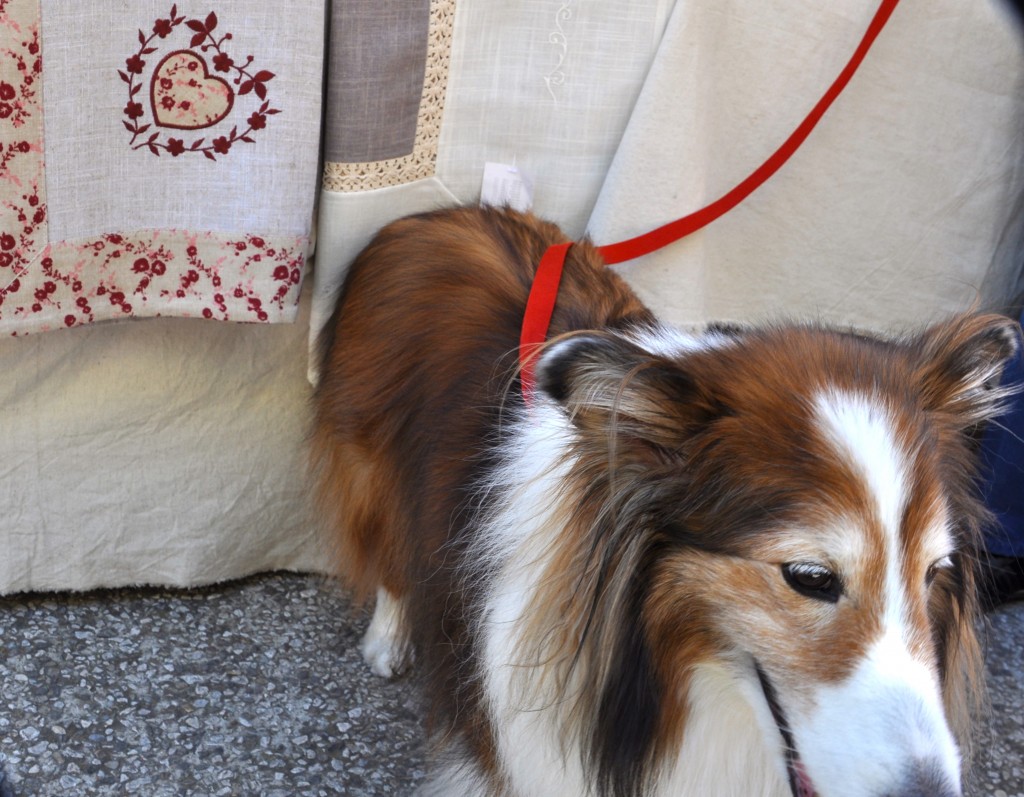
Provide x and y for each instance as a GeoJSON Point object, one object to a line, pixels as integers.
{"type": "Point", "coordinates": [927, 779]}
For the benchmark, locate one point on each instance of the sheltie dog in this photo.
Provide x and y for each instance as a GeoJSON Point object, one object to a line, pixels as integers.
{"type": "Point", "coordinates": [738, 563]}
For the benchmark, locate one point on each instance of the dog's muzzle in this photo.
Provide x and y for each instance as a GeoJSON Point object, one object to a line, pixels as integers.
{"type": "Point", "coordinates": [799, 782]}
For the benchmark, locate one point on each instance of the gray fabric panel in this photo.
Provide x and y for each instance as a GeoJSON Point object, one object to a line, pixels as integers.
{"type": "Point", "coordinates": [376, 66]}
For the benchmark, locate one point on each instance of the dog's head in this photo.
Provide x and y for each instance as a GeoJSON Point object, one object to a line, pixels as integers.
{"type": "Point", "coordinates": [795, 510]}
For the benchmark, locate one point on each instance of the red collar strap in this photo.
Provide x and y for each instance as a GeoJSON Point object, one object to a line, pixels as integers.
{"type": "Point", "coordinates": [544, 292]}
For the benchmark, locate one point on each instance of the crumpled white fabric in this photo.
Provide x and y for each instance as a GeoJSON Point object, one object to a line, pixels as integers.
{"type": "Point", "coordinates": [898, 209]}
{"type": "Point", "coordinates": [165, 452]}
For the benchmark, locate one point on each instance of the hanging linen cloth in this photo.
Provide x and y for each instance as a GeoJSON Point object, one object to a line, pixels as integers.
{"type": "Point", "coordinates": [157, 159]}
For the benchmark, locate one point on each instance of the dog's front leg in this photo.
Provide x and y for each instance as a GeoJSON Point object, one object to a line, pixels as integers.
{"type": "Point", "coordinates": [385, 645]}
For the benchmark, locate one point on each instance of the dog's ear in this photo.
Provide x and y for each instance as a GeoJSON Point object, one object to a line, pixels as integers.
{"type": "Point", "coordinates": [961, 362]}
{"type": "Point", "coordinates": [610, 385]}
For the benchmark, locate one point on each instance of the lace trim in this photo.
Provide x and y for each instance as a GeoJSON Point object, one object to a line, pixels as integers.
{"type": "Point", "coordinates": [422, 161]}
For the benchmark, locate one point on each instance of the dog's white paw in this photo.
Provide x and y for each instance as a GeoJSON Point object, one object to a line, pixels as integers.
{"type": "Point", "coordinates": [383, 656]}
{"type": "Point", "coordinates": [384, 645]}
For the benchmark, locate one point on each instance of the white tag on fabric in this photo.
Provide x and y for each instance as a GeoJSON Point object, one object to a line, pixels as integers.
{"type": "Point", "coordinates": [505, 185]}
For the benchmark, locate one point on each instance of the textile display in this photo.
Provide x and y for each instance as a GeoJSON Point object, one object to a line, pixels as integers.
{"type": "Point", "coordinates": [897, 210]}
{"type": "Point", "coordinates": [166, 158]}
{"type": "Point", "coordinates": [157, 159]}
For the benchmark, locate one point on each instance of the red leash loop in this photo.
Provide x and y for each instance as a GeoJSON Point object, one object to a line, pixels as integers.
{"type": "Point", "coordinates": [541, 302]}
{"type": "Point", "coordinates": [539, 307]}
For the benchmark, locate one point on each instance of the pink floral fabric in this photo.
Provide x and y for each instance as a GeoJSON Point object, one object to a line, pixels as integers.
{"type": "Point", "coordinates": [187, 93]}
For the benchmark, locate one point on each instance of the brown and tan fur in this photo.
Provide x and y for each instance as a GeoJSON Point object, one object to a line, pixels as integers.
{"type": "Point", "coordinates": [679, 470]}
{"type": "Point", "coordinates": [442, 294]}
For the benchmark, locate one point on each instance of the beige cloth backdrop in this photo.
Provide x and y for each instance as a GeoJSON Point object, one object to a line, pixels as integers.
{"type": "Point", "coordinates": [170, 451]}
{"type": "Point", "coordinates": [897, 210]}
{"type": "Point", "coordinates": [900, 207]}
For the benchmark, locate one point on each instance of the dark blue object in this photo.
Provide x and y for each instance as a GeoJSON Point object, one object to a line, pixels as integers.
{"type": "Point", "coordinates": [1003, 457]}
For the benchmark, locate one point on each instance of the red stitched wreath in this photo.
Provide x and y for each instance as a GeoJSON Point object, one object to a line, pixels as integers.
{"type": "Point", "coordinates": [245, 78]}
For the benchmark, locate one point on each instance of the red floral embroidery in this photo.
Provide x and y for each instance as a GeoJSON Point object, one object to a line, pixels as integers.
{"type": "Point", "coordinates": [19, 87]}
{"type": "Point", "coordinates": [135, 63]}
{"type": "Point", "coordinates": [163, 27]}
{"type": "Point", "coordinates": [83, 282]}
{"type": "Point", "coordinates": [184, 95]}
{"type": "Point", "coordinates": [22, 198]}
{"type": "Point", "coordinates": [223, 62]}
{"type": "Point", "coordinates": [118, 275]}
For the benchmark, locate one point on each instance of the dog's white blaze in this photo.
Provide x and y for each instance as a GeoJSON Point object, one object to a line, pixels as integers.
{"type": "Point", "coordinates": [862, 434]}
{"type": "Point", "coordinates": [865, 734]}
{"type": "Point", "coordinates": [889, 713]}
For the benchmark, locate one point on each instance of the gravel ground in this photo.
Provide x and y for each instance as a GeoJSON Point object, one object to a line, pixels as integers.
{"type": "Point", "coordinates": [250, 688]}
{"type": "Point", "coordinates": [257, 688]}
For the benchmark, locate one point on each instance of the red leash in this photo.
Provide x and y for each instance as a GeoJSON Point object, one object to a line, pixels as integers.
{"type": "Point", "coordinates": [544, 292]}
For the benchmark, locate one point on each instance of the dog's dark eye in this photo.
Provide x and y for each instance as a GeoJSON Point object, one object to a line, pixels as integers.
{"type": "Point", "coordinates": [945, 563]}
{"type": "Point", "coordinates": [813, 580]}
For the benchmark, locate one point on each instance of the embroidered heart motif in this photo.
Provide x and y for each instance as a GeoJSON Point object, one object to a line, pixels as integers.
{"type": "Point", "coordinates": [184, 94]}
